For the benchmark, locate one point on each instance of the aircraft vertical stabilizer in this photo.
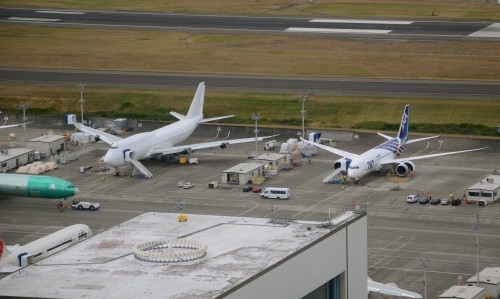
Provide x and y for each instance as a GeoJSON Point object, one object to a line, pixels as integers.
{"type": "Point", "coordinates": [196, 107]}
{"type": "Point", "coordinates": [405, 121]}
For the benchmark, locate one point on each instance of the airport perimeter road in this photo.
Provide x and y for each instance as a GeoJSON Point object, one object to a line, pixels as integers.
{"type": "Point", "coordinates": [399, 234]}
{"type": "Point", "coordinates": [407, 29]}
{"type": "Point", "coordinates": [258, 84]}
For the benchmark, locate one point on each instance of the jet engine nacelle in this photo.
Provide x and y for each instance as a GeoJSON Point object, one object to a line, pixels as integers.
{"type": "Point", "coordinates": [404, 168]}
{"type": "Point", "coordinates": [343, 164]}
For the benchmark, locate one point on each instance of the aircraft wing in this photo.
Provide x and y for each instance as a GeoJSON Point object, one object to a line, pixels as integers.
{"type": "Point", "coordinates": [197, 146]}
{"type": "Point", "coordinates": [430, 156]}
{"type": "Point", "coordinates": [15, 125]}
{"type": "Point", "coordinates": [10, 126]}
{"type": "Point", "coordinates": [330, 149]}
{"type": "Point", "coordinates": [106, 137]}
{"type": "Point", "coordinates": [377, 287]}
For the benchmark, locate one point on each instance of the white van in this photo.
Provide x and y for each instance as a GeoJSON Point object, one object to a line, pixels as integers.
{"type": "Point", "coordinates": [412, 199]}
{"type": "Point", "coordinates": [278, 193]}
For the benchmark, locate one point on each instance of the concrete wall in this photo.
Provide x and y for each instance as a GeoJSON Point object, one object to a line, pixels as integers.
{"type": "Point", "coordinates": [341, 252]}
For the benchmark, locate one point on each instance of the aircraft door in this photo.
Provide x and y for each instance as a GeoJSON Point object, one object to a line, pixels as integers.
{"type": "Point", "coordinates": [23, 259]}
{"type": "Point", "coordinates": [128, 155]}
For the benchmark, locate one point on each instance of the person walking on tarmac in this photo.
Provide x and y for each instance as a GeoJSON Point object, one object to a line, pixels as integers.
{"type": "Point", "coordinates": [60, 206]}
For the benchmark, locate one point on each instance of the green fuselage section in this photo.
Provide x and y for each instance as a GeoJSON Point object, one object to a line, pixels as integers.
{"type": "Point", "coordinates": [35, 186]}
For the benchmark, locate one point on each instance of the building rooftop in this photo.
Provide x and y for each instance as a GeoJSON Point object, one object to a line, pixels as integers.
{"type": "Point", "coordinates": [490, 275]}
{"type": "Point", "coordinates": [491, 183]}
{"type": "Point", "coordinates": [270, 156]}
{"type": "Point", "coordinates": [244, 167]}
{"type": "Point", "coordinates": [10, 153]}
{"type": "Point", "coordinates": [46, 138]}
{"type": "Point", "coordinates": [462, 292]}
{"type": "Point", "coordinates": [104, 266]}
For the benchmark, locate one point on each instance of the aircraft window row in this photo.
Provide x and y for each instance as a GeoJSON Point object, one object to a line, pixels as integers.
{"type": "Point", "coordinates": [353, 167]}
{"type": "Point", "coordinates": [38, 254]}
{"type": "Point", "coordinates": [59, 245]}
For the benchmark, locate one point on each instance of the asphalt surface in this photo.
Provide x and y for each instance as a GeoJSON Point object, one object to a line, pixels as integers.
{"type": "Point", "coordinates": [258, 84]}
{"type": "Point", "coordinates": [399, 234]}
{"type": "Point", "coordinates": [408, 29]}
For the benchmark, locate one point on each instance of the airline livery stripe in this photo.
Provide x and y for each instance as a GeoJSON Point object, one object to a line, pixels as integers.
{"type": "Point", "coordinates": [333, 30]}
{"type": "Point", "coordinates": [361, 21]}
{"type": "Point", "coordinates": [33, 19]}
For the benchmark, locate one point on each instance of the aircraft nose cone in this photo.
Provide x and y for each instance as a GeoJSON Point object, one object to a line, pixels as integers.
{"type": "Point", "coordinates": [108, 160]}
{"type": "Point", "coordinates": [77, 190]}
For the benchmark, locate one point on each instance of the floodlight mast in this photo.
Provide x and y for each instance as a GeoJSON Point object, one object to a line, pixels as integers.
{"type": "Point", "coordinates": [476, 228]}
{"type": "Point", "coordinates": [256, 118]}
{"type": "Point", "coordinates": [82, 87]}
{"type": "Point", "coordinates": [24, 106]}
{"type": "Point", "coordinates": [303, 99]}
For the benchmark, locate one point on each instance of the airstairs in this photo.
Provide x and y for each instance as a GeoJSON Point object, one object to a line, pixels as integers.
{"type": "Point", "coordinates": [329, 178]}
{"type": "Point", "coordinates": [141, 168]}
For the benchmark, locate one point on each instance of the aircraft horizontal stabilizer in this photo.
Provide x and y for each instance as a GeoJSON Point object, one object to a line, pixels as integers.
{"type": "Point", "coordinates": [214, 118]}
{"type": "Point", "coordinates": [385, 136]}
{"type": "Point", "coordinates": [400, 160]}
{"type": "Point", "coordinates": [335, 151]}
{"type": "Point", "coordinates": [197, 146]}
{"type": "Point", "coordinates": [177, 115]}
{"type": "Point", "coordinates": [420, 139]}
{"type": "Point", "coordinates": [377, 287]}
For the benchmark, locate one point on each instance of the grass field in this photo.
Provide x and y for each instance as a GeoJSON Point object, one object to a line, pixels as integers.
{"type": "Point", "coordinates": [428, 115]}
{"type": "Point", "coordinates": [446, 9]}
{"type": "Point", "coordinates": [24, 46]}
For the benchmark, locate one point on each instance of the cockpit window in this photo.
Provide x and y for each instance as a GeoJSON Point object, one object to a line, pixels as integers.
{"type": "Point", "coordinates": [353, 167]}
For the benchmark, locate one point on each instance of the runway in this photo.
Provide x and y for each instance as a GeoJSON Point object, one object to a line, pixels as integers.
{"type": "Point", "coordinates": [368, 28]}
{"type": "Point", "coordinates": [453, 89]}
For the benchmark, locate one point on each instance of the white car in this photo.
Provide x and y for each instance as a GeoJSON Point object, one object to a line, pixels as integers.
{"type": "Point", "coordinates": [188, 185]}
{"type": "Point", "coordinates": [84, 205]}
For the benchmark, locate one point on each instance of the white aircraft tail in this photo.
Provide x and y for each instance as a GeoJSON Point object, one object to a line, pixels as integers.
{"type": "Point", "coordinates": [196, 107]}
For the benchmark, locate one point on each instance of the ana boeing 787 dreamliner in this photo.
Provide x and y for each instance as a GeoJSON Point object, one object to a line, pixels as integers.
{"type": "Point", "coordinates": [358, 166]}
{"type": "Point", "coordinates": [161, 141]}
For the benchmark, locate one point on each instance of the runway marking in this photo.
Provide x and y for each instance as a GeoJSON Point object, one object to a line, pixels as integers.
{"type": "Point", "coordinates": [361, 21]}
{"type": "Point", "coordinates": [33, 19]}
{"type": "Point", "coordinates": [61, 12]}
{"type": "Point", "coordinates": [491, 31]}
{"type": "Point", "coordinates": [334, 30]}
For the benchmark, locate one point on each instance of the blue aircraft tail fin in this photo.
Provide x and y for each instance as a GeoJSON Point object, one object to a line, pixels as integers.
{"type": "Point", "coordinates": [405, 122]}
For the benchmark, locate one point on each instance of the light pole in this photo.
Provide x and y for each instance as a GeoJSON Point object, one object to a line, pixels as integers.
{"type": "Point", "coordinates": [24, 106]}
{"type": "Point", "coordinates": [303, 99]}
{"type": "Point", "coordinates": [256, 118]}
{"type": "Point", "coordinates": [476, 228]}
{"type": "Point", "coordinates": [82, 87]}
{"type": "Point", "coordinates": [423, 263]}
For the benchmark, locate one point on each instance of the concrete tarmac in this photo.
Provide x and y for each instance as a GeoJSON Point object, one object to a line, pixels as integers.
{"type": "Point", "coordinates": [400, 235]}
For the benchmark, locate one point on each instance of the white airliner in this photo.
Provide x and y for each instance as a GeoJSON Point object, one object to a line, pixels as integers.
{"type": "Point", "coordinates": [12, 258]}
{"type": "Point", "coordinates": [161, 141]}
{"type": "Point", "coordinates": [357, 166]}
